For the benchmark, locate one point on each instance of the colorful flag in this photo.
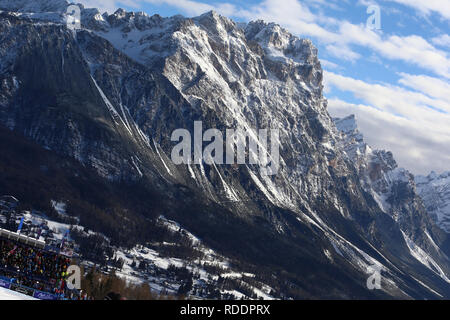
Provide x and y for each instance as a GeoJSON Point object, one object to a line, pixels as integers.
{"type": "Point", "coordinates": [20, 225]}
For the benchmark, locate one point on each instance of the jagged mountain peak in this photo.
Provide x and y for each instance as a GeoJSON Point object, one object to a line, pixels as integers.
{"type": "Point", "coordinates": [378, 169]}
{"type": "Point", "coordinates": [274, 37]}
{"type": "Point", "coordinates": [214, 15]}
{"type": "Point", "coordinates": [132, 20]}
{"type": "Point", "coordinates": [120, 13]}
{"type": "Point", "coordinates": [347, 124]}
{"type": "Point", "coordinates": [357, 147]}
{"type": "Point", "coordinates": [123, 15]}
{"type": "Point", "coordinates": [353, 141]}
{"type": "Point", "coordinates": [216, 23]}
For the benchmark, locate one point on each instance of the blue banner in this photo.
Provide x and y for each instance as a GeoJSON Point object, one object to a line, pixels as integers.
{"type": "Point", "coordinates": [20, 225]}
{"type": "Point", "coordinates": [6, 283]}
{"type": "Point", "coordinates": [44, 295]}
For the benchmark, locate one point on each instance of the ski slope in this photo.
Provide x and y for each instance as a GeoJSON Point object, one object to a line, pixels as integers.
{"type": "Point", "coordinates": [6, 294]}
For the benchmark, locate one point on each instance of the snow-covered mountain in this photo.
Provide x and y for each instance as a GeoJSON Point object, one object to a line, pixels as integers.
{"type": "Point", "coordinates": [111, 94]}
{"type": "Point", "coordinates": [393, 188]}
{"type": "Point", "coordinates": [435, 192]}
{"type": "Point", "coordinates": [395, 191]}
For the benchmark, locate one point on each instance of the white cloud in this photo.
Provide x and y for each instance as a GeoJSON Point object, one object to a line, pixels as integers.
{"type": "Point", "coordinates": [397, 100]}
{"type": "Point", "coordinates": [412, 49]}
{"type": "Point", "coordinates": [328, 64]}
{"type": "Point", "coordinates": [342, 52]}
{"type": "Point", "coordinates": [188, 6]}
{"type": "Point", "coordinates": [442, 41]}
{"type": "Point", "coordinates": [291, 14]}
{"type": "Point", "coordinates": [426, 7]}
{"type": "Point", "coordinates": [431, 86]}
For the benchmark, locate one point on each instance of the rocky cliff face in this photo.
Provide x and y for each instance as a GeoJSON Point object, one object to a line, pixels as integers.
{"type": "Point", "coordinates": [435, 192]}
{"type": "Point", "coordinates": [396, 192]}
{"type": "Point", "coordinates": [393, 188]}
{"type": "Point", "coordinates": [111, 94]}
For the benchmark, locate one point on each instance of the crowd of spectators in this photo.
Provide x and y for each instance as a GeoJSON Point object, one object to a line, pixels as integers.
{"type": "Point", "coordinates": [34, 268]}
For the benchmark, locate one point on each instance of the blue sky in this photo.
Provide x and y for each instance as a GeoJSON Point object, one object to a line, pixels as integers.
{"type": "Point", "coordinates": [396, 79]}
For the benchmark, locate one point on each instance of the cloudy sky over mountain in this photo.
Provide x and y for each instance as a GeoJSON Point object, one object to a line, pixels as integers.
{"type": "Point", "coordinates": [396, 79]}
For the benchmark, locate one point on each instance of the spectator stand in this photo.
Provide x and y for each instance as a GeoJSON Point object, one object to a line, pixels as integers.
{"type": "Point", "coordinates": [28, 267]}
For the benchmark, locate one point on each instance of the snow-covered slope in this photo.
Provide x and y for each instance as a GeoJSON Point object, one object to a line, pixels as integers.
{"type": "Point", "coordinates": [6, 294]}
